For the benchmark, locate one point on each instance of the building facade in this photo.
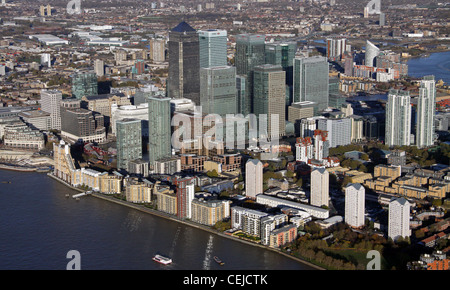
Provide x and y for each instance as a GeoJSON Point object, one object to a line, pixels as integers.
{"type": "Point", "coordinates": [398, 118]}
{"type": "Point", "coordinates": [354, 205]}
{"type": "Point", "coordinates": [319, 187]}
{"type": "Point", "coordinates": [184, 63]}
{"type": "Point", "coordinates": [129, 142]}
{"type": "Point", "coordinates": [311, 78]}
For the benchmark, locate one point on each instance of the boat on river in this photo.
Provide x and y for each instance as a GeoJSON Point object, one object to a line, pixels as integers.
{"type": "Point", "coordinates": [218, 261]}
{"type": "Point", "coordinates": [162, 260]}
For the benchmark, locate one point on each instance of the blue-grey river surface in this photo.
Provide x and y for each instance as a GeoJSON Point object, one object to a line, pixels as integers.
{"type": "Point", "coordinates": [437, 64]}
{"type": "Point", "coordinates": [39, 225]}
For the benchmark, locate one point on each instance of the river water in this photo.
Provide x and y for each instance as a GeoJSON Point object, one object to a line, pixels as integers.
{"type": "Point", "coordinates": [39, 225]}
{"type": "Point", "coordinates": [437, 64]}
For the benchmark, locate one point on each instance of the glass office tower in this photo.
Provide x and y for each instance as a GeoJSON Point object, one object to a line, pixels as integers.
{"type": "Point", "coordinates": [398, 118]}
{"type": "Point", "coordinates": [84, 84]}
{"type": "Point", "coordinates": [218, 90]}
{"type": "Point", "coordinates": [311, 80]}
{"type": "Point", "coordinates": [213, 48]}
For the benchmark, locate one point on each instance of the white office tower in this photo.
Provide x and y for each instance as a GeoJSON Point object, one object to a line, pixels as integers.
{"type": "Point", "coordinates": [3, 3]}
{"type": "Point", "coordinates": [355, 205]}
{"type": "Point", "coordinates": [426, 107]}
{"type": "Point", "coordinates": [213, 47]}
{"type": "Point", "coordinates": [46, 59]}
{"type": "Point", "coordinates": [398, 220]}
{"type": "Point", "coordinates": [253, 178]}
{"type": "Point", "coordinates": [372, 51]}
{"type": "Point", "coordinates": [99, 67]}
{"type": "Point", "coordinates": [319, 187]}
{"type": "Point", "coordinates": [398, 118]}
{"type": "Point", "coordinates": [51, 103]}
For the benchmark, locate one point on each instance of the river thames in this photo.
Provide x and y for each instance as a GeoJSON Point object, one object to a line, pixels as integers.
{"type": "Point", "coordinates": [39, 225]}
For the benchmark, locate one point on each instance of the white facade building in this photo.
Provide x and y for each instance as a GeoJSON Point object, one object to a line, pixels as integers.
{"type": "Point", "coordinates": [426, 108]}
{"type": "Point", "coordinates": [253, 178]}
{"type": "Point", "coordinates": [355, 205]}
{"type": "Point", "coordinates": [319, 187]}
{"type": "Point", "coordinates": [51, 103]}
{"type": "Point", "coordinates": [399, 216]}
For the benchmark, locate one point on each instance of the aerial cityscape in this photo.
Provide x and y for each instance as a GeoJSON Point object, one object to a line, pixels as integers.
{"type": "Point", "coordinates": [233, 134]}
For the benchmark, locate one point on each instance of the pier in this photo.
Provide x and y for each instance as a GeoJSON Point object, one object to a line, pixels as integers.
{"type": "Point", "coordinates": [81, 194]}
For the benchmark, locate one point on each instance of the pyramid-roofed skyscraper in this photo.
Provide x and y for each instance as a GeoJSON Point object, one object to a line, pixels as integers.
{"type": "Point", "coordinates": [184, 63]}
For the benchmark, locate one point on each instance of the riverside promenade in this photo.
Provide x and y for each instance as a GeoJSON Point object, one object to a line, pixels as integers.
{"type": "Point", "coordinates": [161, 214]}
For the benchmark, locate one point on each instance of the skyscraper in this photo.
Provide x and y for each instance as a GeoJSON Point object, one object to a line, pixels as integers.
{"type": "Point", "coordinates": [319, 187]}
{"type": "Point", "coordinates": [158, 49]}
{"type": "Point", "coordinates": [398, 118]}
{"type": "Point", "coordinates": [253, 178]}
{"type": "Point", "coordinates": [184, 63]}
{"type": "Point", "coordinates": [159, 130]}
{"type": "Point", "coordinates": [84, 84]}
{"type": "Point", "coordinates": [372, 51]}
{"type": "Point", "coordinates": [355, 205]}
{"type": "Point", "coordinates": [311, 80]}
{"type": "Point", "coordinates": [336, 47]}
{"type": "Point", "coordinates": [283, 53]}
{"type": "Point", "coordinates": [339, 130]}
{"type": "Point", "coordinates": [185, 196]}
{"type": "Point", "coordinates": [426, 107]}
{"type": "Point", "coordinates": [51, 103]}
{"type": "Point", "coordinates": [129, 142]}
{"type": "Point", "coordinates": [218, 90]}
{"type": "Point", "coordinates": [269, 91]}
{"type": "Point", "coordinates": [242, 96]}
{"type": "Point", "coordinates": [398, 218]}
{"type": "Point", "coordinates": [250, 52]}
{"type": "Point", "coordinates": [213, 47]}
{"type": "Point", "coordinates": [99, 67]}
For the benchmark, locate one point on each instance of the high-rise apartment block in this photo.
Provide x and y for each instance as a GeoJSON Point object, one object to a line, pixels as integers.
{"type": "Point", "coordinates": [311, 77]}
{"type": "Point", "coordinates": [398, 218]}
{"type": "Point", "coordinates": [51, 103]}
{"type": "Point", "coordinates": [99, 67]}
{"type": "Point", "coordinates": [339, 130]}
{"type": "Point", "coordinates": [158, 49]}
{"type": "Point", "coordinates": [253, 178]}
{"type": "Point", "coordinates": [129, 142]}
{"type": "Point", "coordinates": [213, 48]}
{"type": "Point", "coordinates": [355, 205]}
{"type": "Point", "coordinates": [426, 107]}
{"type": "Point", "coordinates": [336, 47]}
{"type": "Point", "coordinates": [159, 129]}
{"type": "Point", "coordinates": [319, 187]}
{"type": "Point", "coordinates": [398, 118]}
{"type": "Point", "coordinates": [184, 63]}
{"type": "Point", "coordinates": [185, 196]}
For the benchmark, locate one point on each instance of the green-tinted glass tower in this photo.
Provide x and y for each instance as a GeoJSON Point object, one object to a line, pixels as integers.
{"type": "Point", "coordinates": [218, 90]}
{"type": "Point", "coordinates": [311, 78]}
{"type": "Point", "coordinates": [159, 129]}
{"type": "Point", "coordinates": [250, 52]}
{"type": "Point", "coordinates": [269, 97]}
{"type": "Point", "coordinates": [129, 142]}
{"type": "Point", "coordinates": [84, 84]}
